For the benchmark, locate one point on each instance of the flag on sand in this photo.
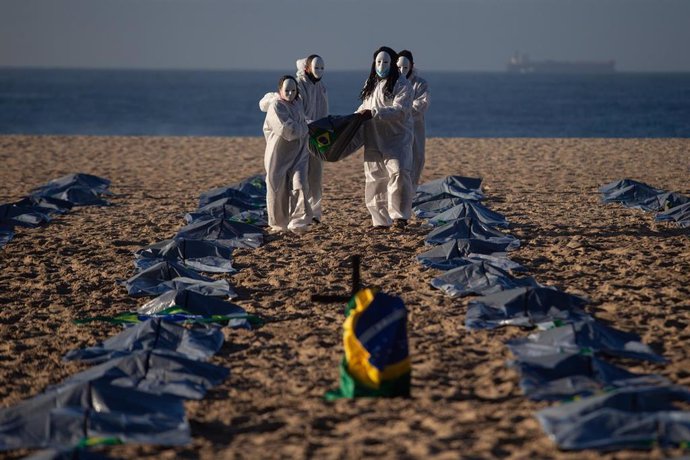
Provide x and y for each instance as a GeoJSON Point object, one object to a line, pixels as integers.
{"type": "Point", "coordinates": [377, 361]}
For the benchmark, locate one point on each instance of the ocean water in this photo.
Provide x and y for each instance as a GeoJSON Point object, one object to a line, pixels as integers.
{"type": "Point", "coordinates": [213, 103]}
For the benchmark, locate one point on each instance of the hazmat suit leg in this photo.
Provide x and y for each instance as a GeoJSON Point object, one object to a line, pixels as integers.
{"type": "Point", "coordinates": [399, 190]}
{"type": "Point", "coordinates": [376, 192]}
{"type": "Point", "coordinates": [418, 146]}
{"type": "Point", "coordinates": [315, 176]}
{"type": "Point", "coordinates": [278, 186]}
{"type": "Point", "coordinates": [300, 210]}
{"type": "Point", "coordinates": [277, 202]}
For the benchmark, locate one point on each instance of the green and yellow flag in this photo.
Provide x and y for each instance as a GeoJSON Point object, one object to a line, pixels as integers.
{"type": "Point", "coordinates": [335, 137]}
{"type": "Point", "coordinates": [377, 361]}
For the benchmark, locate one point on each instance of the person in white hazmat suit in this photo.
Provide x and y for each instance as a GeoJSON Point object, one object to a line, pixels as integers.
{"type": "Point", "coordinates": [420, 105]}
{"type": "Point", "coordinates": [387, 98]}
{"type": "Point", "coordinates": [314, 99]}
{"type": "Point", "coordinates": [286, 159]}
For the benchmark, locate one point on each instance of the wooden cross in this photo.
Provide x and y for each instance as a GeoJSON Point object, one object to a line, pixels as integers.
{"type": "Point", "coordinates": [339, 298]}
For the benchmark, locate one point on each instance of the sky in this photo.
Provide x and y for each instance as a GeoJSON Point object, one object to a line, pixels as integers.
{"type": "Point", "coordinates": [443, 35]}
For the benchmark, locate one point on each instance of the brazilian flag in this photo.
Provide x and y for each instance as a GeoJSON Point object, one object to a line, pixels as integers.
{"type": "Point", "coordinates": [335, 137]}
{"type": "Point", "coordinates": [377, 361]}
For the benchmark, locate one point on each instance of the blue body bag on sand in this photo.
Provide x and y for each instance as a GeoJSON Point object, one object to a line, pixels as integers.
{"type": "Point", "coordinates": [336, 137]}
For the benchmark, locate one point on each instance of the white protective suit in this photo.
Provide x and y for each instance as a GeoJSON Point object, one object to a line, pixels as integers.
{"type": "Point", "coordinates": [388, 190]}
{"type": "Point", "coordinates": [315, 102]}
{"type": "Point", "coordinates": [286, 160]}
{"type": "Point", "coordinates": [419, 107]}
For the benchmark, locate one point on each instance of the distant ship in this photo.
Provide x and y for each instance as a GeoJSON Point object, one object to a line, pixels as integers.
{"type": "Point", "coordinates": [520, 63]}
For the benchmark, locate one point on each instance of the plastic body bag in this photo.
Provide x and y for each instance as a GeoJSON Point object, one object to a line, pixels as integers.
{"type": "Point", "coordinates": [70, 414]}
{"type": "Point", "coordinates": [480, 277]}
{"type": "Point", "coordinates": [526, 307]}
{"type": "Point", "coordinates": [470, 228]}
{"type": "Point", "coordinates": [336, 137]}
{"type": "Point", "coordinates": [198, 342]}
{"type": "Point", "coordinates": [199, 255]}
{"type": "Point", "coordinates": [637, 418]}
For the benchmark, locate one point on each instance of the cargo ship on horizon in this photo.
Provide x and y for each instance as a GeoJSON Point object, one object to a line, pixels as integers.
{"type": "Point", "coordinates": [521, 63]}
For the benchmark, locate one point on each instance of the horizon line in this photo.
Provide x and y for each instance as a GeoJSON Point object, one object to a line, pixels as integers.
{"type": "Point", "coordinates": [225, 69]}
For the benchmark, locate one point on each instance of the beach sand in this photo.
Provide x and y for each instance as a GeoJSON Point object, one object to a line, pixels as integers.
{"type": "Point", "coordinates": [466, 402]}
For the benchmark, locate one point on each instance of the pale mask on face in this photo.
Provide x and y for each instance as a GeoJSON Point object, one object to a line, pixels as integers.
{"type": "Point", "coordinates": [288, 90]}
{"type": "Point", "coordinates": [382, 64]}
{"type": "Point", "coordinates": [404, 65]}
{"type": "Point", "coordinates": [317, 68]}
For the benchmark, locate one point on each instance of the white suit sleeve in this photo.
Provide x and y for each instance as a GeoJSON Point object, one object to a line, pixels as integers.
{"type": "Point", "coordinates": [301, 64]}
{"type": "Point", "coordinates": [400, 108]}
{"type": "Point", "coordinates": [325, 95]}
{"type": "Point", "coordinates": [304, 98]}
{"type": "Point", "coordinates": [421, 100]}
{"type": "Point", "coordinates": [284, 125]}
{"type": "Point", "coordinates": [265, 102]}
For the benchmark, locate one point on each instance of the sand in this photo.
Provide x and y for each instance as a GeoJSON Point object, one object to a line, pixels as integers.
{"type": "Point", "coordinates": [466, 402]}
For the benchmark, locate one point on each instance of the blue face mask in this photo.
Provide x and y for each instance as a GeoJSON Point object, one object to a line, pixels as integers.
{"type": "Point", "coordinates": [382, 64]}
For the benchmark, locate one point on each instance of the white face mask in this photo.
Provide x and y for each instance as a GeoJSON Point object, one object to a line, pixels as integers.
{"type": "Point", "coordinates": [382, 64]}
{"type": "Point", "coordinates": [404, 65]}
{"type": "Point", "coordinates": [317, 68]}
{"type": "Point", "coordinates": [288, 91]}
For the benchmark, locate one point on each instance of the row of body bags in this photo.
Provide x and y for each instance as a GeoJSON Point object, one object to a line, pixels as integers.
{"type": "Point", "coordinates": [669, 206]}
{"type": "Point", "coordinates": [53, 198]}
{"type": "Point", "coordinates": [135, 390]}
{"type": "Point", "coordinates": [570, 355]}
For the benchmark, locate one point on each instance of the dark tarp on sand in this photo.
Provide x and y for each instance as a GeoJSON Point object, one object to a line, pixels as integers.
{"type": "Point", "coordinates": [479, 277]}
{"type": "Point", "coordinates": [467, 188]}
{"type": "Point", "coordinates": [158, 372]}
{"type": "Point", "coordinates": [199, 255]}
{"type": "Point", "coordinates": [254, 186]}
{"type": "Point", "coordinates": [251, 191]}
{"type": "Point", "coordinates": [213, 288]}
{"type": "Point", "coordinates": [46, 205]}
{"type": "Point", "coordinates": [23, 216]}
{"type": "Point", "coordinates": [67, 415]}
{"type": "Point", "coordinates": [231, 204]}
{"type": "Point", "coordinates": [433, 208]}
{"type": "Point", "coordinates": [628, 192]}
{"type": "Point", "coordinates": [457, 252]}
{"type": "Point", "coordinates": [79, 189]}
{"type": "Point", "coordinates": [89, 181]}
{"type": "Point", "coordinates": [224, 232]}
{"type": "Point", "coordinates": [198, 342]}
{"type": "Point", "coordinates": [568, 375]}
{"type": "Point", "coordinates": [256, 217]}
{"type": "Point", "coordinates": [190, 303]}
{"type": "Point", "coordinates": [501, 262]}
{"type": "Point", "coordinates": [584, 336]}
{"type": "Point", "coordinates": [470, 228]}
{"type": "Point", "coordinates": [524, 306]}
{"type": "Point", "coordinates": [335, 137]}
{"type": "Point", "coordinates": [226, 201]}
{"type": "Point", "coordinates": [6, 234]}
{"type": "Point", "coordinates": [165, 276]}
{"type": "Point", "coordinates": [679, 214]}
{"type": "Point", "coordinates": [473, 209]}
{"type": "Point", "coordinates": [76, 453]}
{"type": "Point", "coordinates": [635, 418]}
{"type": "Point", "coordinates": [664, 201]}
{"type": "Point", "coordinates": [232, 212]}
{"type": "Point", "coordinates": [55, 197]}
